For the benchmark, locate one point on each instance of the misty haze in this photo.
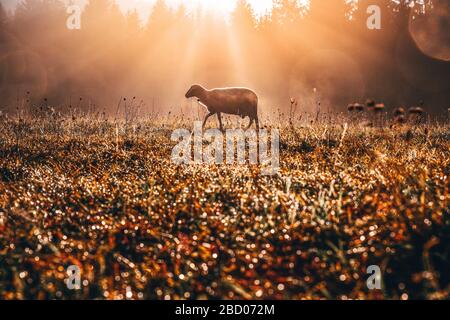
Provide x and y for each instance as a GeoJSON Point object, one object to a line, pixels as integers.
{"type": "Point", "coordinates": [224, 150]}
{"type": "Point", "coordinates": [319, 52]}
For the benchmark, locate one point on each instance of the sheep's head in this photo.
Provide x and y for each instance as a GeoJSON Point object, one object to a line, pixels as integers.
{"type": "Point", "coordinates": [370, 103]}
{"type": "Point", "coordinates": [195, 91]}
{"type": "Point", "coordinates": [399, 112]}
{"type": "Point", "coordinates": [416, 110]}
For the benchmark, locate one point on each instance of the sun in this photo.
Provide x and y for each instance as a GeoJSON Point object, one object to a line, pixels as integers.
{"type": "Point", "coordinates": [261, 7]}
{"type": "Point", "coordinates": [218, 6]}
{"type": "Point", "coordinates": [222, 7]}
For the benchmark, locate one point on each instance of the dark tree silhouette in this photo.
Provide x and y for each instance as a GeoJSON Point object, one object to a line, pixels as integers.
{"type": "Point", "coordinates": [161, 19]}
{"type": "Point", "coordinates": [3, 16]}
{"type": "Point", "coordinates": [286, 12]}
{"type": "Point", "coordinates": [133, 22]}
{"type": "Point", "coordinates": [40, 19]}
{"type": "Point", "coordinates": [117, 54]}
{"type": "Point", "coordinates": [243, 17]}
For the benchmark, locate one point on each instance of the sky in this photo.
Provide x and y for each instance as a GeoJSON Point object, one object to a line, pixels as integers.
{"type": "Point", "coordinates": [144, 6]}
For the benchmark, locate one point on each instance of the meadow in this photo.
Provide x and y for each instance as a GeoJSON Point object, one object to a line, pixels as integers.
{"type": "Point", "coordinates": [104, 195]}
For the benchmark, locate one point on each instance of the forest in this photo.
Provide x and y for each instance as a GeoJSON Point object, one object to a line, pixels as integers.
{"type": "Point", "coordinates": [94, 205]}
{"type": "Point", "coordinates": [318, 53]}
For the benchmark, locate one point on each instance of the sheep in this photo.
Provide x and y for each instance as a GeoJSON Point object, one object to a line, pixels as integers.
{"type": "Point", "coordinates": [400, 119]}
{"type": "Point", "coordinates": [355, 110]}
{"type": "Point", "coordinates": [379, 107]}
{"type": "Point", "coordinates": [399, 115]}
{"type": "Point", "coordinates": [359, 107]}
{"type": "Point", "coordinates": [417, 115]}
{"type": "Point", "coordinates": [235, 101]}
{"type": "Point", "coordinates": [378, 111]}
{"type": "Point", "coordinates": [370, 104]}
{"type": "Point", "coordinates": [399, 112]}
{"type": "Point", "coordinates": [416, 110]}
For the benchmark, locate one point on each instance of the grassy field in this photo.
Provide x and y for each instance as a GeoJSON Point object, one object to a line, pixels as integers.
{"type": "Point", "coordinates": [107, 198]}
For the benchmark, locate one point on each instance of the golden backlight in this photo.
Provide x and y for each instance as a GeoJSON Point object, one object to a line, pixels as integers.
{"type": "Point", "coordinates": [223, 7]}
{"type": "Point", "coordinates": [305, 49]}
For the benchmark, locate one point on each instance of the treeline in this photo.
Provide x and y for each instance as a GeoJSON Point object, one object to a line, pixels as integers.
{"type": "Point", "coordinates": [322, 54]}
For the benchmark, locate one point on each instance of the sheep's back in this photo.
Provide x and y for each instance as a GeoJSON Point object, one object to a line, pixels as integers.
{"type": "Point", "coordinates": [238, 101]}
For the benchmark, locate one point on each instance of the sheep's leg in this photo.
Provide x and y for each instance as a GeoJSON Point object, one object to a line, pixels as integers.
{"type": "Point", "coordinates": [257, 136]}
{"type": "Point", "coordinates": [219, 115]}
{"type": "Point", "coordinates": [250, 124]}
{"type": "Point", "coordinates": [206, 119]}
